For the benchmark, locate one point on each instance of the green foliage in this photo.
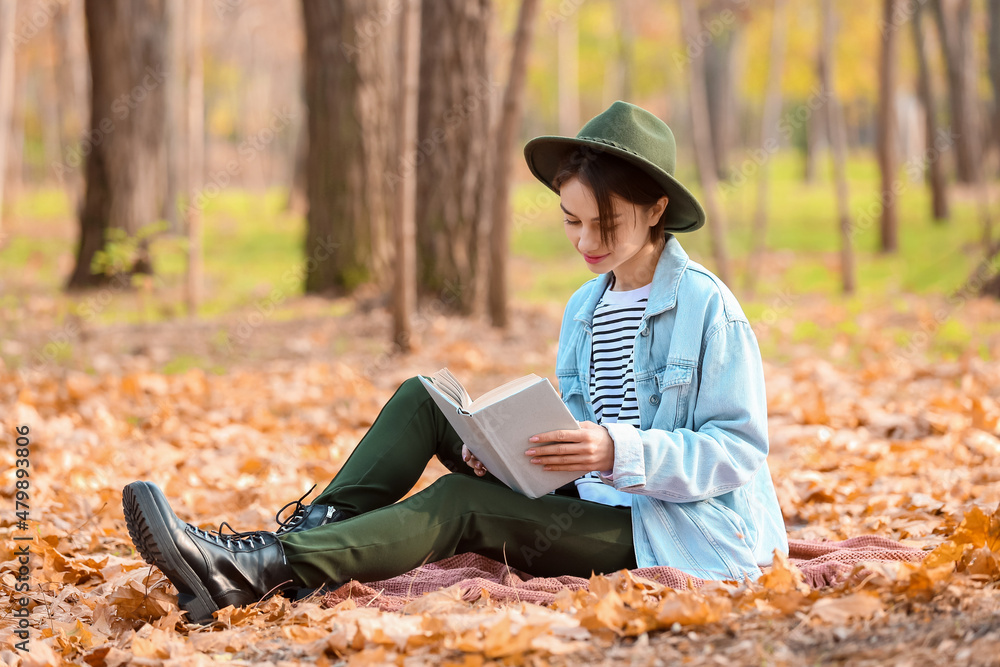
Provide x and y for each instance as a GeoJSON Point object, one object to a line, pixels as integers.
{"type": "Point", "coordinates": [182, 363]}
{"type": "Point", "coordinates": [43, 204]}
{"type": "Point", "coordinates": [121, 249]}
{"type": "Point", "coordinates": [254, 260]}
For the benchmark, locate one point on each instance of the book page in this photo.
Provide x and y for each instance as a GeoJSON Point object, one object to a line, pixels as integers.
{"type": "Point", "coordinates": [470, 432]}
{"type": "Point", "coordinates": [503, 391]}
{"type": "Point", "coordinates": [497, 433]}
{"type": "Point", "coordinates": [449, 385]}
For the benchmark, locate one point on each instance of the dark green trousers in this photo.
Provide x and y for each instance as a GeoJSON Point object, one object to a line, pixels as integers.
{"type": "Point", "coordinates": [460, 512]}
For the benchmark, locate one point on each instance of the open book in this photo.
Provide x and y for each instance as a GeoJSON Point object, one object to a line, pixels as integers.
{"type": "Point", "coordinates": [496, 427]}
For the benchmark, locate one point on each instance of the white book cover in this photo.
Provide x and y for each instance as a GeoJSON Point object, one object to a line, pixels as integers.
{"type": "Point", "coordinates": [496, 427]}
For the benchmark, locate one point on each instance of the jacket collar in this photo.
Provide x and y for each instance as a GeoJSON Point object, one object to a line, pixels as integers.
{"type": "Point", "coordinates": [666, 281]}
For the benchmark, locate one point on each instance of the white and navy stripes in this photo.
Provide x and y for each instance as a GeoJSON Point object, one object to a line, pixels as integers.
{"type": "Point", "coordinates": [612, 383]}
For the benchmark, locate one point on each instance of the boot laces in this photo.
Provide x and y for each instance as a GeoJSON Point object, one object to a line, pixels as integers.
{"type": "Point", "coordinates": [298, 514]}
{"type": "Point", "coordinates": [242, 541]}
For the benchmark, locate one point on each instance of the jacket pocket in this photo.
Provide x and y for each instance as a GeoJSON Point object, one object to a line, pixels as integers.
{"type": "Point", "coordinates": [739, 525]}
{"type": "Point", "coordinates": [723, 538]}
{"type": "Point", "coordinates": [674, 386]}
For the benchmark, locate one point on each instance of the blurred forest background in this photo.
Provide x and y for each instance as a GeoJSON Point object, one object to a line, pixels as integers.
{"type": "Point", "coordinates": [217, 156]}
{"type": "Point", "coordinates": [224, 222]}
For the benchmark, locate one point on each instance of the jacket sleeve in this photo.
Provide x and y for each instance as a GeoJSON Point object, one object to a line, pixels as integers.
{"type": "Point", "coordinates": [728, 443]}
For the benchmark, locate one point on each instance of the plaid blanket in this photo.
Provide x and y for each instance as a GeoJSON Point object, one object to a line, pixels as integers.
{"type": "Point", "coordinates": [823, 563]}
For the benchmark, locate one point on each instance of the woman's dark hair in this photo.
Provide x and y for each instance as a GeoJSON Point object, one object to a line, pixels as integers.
{"type": "Point", "coordinates": [605, 175]}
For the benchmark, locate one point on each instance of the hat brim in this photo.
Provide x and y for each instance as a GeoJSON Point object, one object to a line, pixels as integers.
{"type": "Point", "coordinates": [543, 155]}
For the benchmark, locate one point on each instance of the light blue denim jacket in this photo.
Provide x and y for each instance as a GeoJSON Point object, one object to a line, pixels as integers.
{"type": "Point", "coordinates": [702, 496]}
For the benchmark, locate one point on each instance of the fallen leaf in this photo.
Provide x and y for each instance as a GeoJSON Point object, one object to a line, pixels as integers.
{"type": "Point", "coordinates": [839, 611]}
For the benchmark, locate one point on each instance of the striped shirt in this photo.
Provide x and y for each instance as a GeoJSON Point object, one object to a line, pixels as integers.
{"type": "Point", "coordinates": [612, 382]}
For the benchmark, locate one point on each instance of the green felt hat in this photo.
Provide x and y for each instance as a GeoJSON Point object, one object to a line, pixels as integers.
{"type": "Point", "coordinates": [633, 134]}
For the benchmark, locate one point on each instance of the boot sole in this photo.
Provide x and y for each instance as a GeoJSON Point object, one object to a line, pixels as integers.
{"type": "Point", "coordinates": [156, 546]}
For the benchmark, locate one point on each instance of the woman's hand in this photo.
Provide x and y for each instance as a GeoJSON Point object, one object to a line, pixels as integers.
{"type": "Point", "coordinates": [587, 448]}
{"type": "Point", "coordinates": [473, 462]}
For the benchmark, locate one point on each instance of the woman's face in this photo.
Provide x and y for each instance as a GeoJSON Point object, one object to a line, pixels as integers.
{"type": "Point", "coordinates": [632, 242]}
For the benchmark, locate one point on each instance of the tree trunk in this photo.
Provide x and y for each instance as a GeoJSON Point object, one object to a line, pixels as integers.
{"type": "Point", "coordinates": [510, 119]}
{"type": "Point", "coordinates": [453, 185]}
{"type": "Point", "coordinates": [626, 47]}
{"type": "Point", "coordinates": [174, 112]}
{"type": "Point", "coordinates": [702, 137]}
{"type": "Point", "coordinates": [835, 131]}
{"type": "Point", "coordinates": [990, 286]}
{"type": "Point", "coordinates": [994, 67]}
{"type": "Point", "coordinates": [718, 56]}
{"type": "Point", "coordinates": [934, 172]}
{"type": "Point", "coordinates": [8, 12]}
{"type": "Point", "coordinates": [568, 82]}
{"type": "Point", "coordinates": [957, 45]}
{"type": "Point", "coordinates": [195, 171]}
{"type": "Point", "coordinates": [73, 93]}
{"type": "Point", "coordinates": [405, 226]}
{"type": "Point", "coordinates": [15, 153]}
{"type": "Point", "coordinates": [71, 72]}
{"type": "Point", "coordinates": [768, 138]}
{"type": "Point", "coordinates": [125, 176]}
{"type": "Point", "coordinates": [46, 90]}
{"type": "Point", "coordinates": [815, 134]}
{"type": "Point", "coordinates": [297, 181]}
{"type": "Point", "coordinates": [887, 150]}
{"type": "Point", "coordinates": [348, 86]}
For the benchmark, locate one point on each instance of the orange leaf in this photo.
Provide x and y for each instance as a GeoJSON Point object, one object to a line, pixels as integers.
{"type": "Point", "coordinates": [303, 634]}
{"type": "Point", "coordinates": [692, 608]}
{"type": "Point", "coordinates": [499, 642]}
{"type": "Point", "coordinates": [840, 610]}
{"type": "Point", "coordinates": [608, 613]}
{"type": "Point", "coordinates": [783, 577]}
{"type": "Point", "coordinates": [947, 552]}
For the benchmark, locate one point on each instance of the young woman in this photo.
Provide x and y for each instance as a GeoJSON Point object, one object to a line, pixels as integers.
{"type": "Point", "coordinates": [657, 362]}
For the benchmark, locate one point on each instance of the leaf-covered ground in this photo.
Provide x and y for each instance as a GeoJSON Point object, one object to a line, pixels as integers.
{"type": "Point", "coordinates": [871, 433]}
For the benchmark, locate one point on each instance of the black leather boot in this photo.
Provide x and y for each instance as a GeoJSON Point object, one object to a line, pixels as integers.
{"type": "Point", "coordinates": [305, 517]}
{"type": "Point", "coordinates": [211, 570]}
